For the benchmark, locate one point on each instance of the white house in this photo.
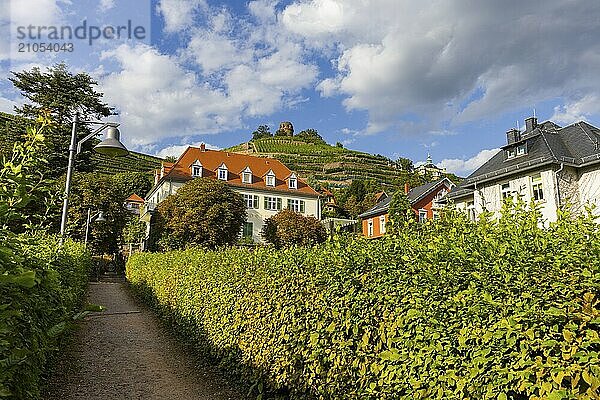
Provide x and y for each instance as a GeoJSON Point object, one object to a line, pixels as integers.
{"type": "Point", "coordinates": [546, 163]}
{"type": "Point", "coordinates": [266, 184]}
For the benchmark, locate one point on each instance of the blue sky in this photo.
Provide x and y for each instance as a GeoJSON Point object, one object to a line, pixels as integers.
{"type": "Point", "coordinates": [393, 77]}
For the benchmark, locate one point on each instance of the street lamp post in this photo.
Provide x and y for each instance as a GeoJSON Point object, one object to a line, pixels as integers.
{"type": "Point", "coordinates": [111, 146]}
{"type": "Point", "coordinates": [98, 217]}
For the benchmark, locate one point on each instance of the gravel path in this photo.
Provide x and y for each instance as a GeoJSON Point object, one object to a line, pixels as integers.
{"type": "Point", "coordinates": [124, 353]}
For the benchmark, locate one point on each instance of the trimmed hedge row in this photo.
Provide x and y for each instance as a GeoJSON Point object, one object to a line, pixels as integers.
{"type": "Point", "coordinates": [452, 309]}
{"type": "Point", "coordinates": [41, 284]}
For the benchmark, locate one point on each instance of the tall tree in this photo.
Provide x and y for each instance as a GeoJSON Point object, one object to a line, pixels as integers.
{"type": "Point", "coordinates": [62, 94]}
{"type": "Point", "coordinates": [203, 212]}
{"type": "Point", "coordinates": [263, 131]}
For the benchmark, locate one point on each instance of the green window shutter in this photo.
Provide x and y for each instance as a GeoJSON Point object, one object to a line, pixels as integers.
{"type": "Point", "coordinates": [279, 203]}
{"type": "Point", "coordinates": [266, 203]}
{"type": "Point", "coordinates": [256, 202]}
{"type": "Point", "coordinates": [289, 204]}
{"type": "Point", "coordinates": [302, 206]}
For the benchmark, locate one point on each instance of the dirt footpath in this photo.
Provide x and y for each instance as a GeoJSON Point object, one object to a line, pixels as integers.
{"type": "Point", "coordinates": [124, 353]}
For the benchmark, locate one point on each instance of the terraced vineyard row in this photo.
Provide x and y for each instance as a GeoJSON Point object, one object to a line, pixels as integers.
{"type": "Point", "coordinates": [133, 162]}
{"type": "Point", "coordinates": [325, 163]}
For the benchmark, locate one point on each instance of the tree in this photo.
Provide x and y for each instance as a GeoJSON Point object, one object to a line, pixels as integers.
{"type": "Point", "coordinates": [128, 183]}
{"type": "Point", "coordinates": [263, 131]}
{"type": "Point", "coordinates": [134, 230]}
{"type": "Point", "coordinates": [400, 209]}
{"type": "Point", "coordinates": [203, 212]}
{"type": "Point", "coordinates": [288, 228]}
{"type": "Point", "coordinates": [171, 159]}
{"type": "Point", "coordinates": [339, 144]}
{"type": "Point", "coordinates": [62, 94]}
{"type": "Point", "coordinates": [405, 164]}
{"type": "Point", "coordinates": [310, 135]}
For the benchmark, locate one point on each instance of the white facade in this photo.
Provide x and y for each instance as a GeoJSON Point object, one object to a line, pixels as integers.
{"type": "Point", "coordinates": [262, 205]}
{"type": "Point", "coordinates": [553, 186]}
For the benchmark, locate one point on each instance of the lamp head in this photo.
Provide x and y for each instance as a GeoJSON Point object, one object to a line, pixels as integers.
{"type": "Point", "coordinates": [100, 217]}
{"type": "Point", "coordinates": [112, 146]}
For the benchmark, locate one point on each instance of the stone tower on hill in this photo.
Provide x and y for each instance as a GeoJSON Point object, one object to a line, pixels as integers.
{"type": "Point", "coordinates": [285, 129]}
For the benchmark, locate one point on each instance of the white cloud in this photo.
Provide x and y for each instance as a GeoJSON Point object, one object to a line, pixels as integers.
{"type": "Point", "coordinates": [179, 14]}
{"type": "Point", "coordinates": [450, 61]}
{"type": "Point", "coordinates": [105, 5]}
{"type": "Point", "coordinates": [578, 110]}
{"type": "Point", "coordinates": [177, 150]}
{"type": "Point", "coordinates": [464, 167]}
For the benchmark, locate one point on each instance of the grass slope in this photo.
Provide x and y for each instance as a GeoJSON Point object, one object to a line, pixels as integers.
{"type": "Point", "coordinates": [133, 162]}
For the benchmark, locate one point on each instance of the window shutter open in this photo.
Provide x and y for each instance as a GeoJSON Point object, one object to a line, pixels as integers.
{"type": "Point", "coordinates": [279, 203]}
{"type": "Point", "coordinates": [266, 203]}
{"type": "Point", "coordinates": [302, 206]}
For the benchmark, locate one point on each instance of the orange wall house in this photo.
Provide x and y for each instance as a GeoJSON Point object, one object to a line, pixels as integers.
{"type": "Point", "coordinates": [424, 202]}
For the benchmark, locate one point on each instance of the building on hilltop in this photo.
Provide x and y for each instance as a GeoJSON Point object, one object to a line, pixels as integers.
{"type": "Point", "coordinates": [546, 163]}
{"type": "Point", "coordinates": [430, 168]}
{"type": "Point", "coordinates": [266, 184]}
{"type": "Point", "coordinates": [424, 200]}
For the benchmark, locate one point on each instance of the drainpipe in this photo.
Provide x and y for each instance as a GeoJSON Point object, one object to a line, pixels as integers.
{"type": "Point", "coordinates": [562, 166]}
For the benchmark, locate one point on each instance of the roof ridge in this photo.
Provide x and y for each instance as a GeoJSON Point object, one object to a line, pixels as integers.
{"type": "Point", "coordinates": [543, 135]}
{"type": "Point", "coordinates": [595, 142]}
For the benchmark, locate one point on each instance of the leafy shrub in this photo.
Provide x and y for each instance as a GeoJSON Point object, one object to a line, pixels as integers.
{"type": "Point", "coordinates": [204, 212]}
{"type": "Point", "coordinates": [447, 310]}
{"type": "Point", "coordinates": [41, 284]}
{"type": "Point", "coordinates": [288, 228]}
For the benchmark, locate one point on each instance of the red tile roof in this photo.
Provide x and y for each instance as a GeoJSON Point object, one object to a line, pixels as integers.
{"type": "Point", "coordinates": [135, 198]}
{"type": "Point", "coordinates": [211, 160]}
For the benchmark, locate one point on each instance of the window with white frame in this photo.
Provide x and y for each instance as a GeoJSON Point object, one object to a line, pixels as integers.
{"type": "Point", "coordinates": [521, 149]}
{"type": "Point", "coordinates": [196, 169]}
{"type": "Point", "coordinates": [537, 188]}
{"type": "Point", "coordinates": [272, 203]}
{"type": "Point", "coordinates": [251, 201]}
{"type": "Point", "coordinates": [471, 210]}
{"type": "Point", "coordinates": [422, 215]}
{"type": "Point", "coordinates": [247, 175]}
{"type": "Point", "coordinates": [247, 230]}
{"type": "Point", "coordinates": [296, 205]}
{"type": "Point", "coordinates": [505, 190]}
{"type": "Point", "coordinates": [436, 215]}
{"type": "Point", "coordinates": [511, 153]}
{"type": "Point", "coordinates": [270, 179]}
{"type": "Point", "coordinates": [370, 227]}
{"type": "Point", "coordinates": [223, 173]}
{"type": "Point", "coordinates": [382, 224]}
{"type": "Point", "coordinates": [293, 182]}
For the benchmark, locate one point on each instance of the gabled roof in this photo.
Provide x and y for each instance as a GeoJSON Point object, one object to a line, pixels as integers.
{"type": "Point", "coordinates": [577, 145]}
{"type": "Point", "coordinates": [135, 198]}
{"type": "Point", "coordinates": [211, 161]}
{"type": "Point", "coordinates": [414, 196]}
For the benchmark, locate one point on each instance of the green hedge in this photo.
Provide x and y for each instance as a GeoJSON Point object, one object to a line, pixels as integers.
{"type": "Point", "coordinates": [451, 310]}
{"type": "Point", "coordinates": [41, 284]}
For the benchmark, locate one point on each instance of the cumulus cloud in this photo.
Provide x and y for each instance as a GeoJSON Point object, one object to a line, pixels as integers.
{"type": "Point", "coordinates": [452, 61]}
{"type": "Point", "coordinates": [177, 150]}
{"type": "Point", "coordinates": [577, 110]}
{"type": "Point", "coordinates": [464, 167]}
{"type": "Point", "coordinates": [179, 14]}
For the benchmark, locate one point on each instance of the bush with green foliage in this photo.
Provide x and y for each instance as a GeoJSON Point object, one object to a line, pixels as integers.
{"type": "Point", "coordinates": [289, 228]}
{"type": "Point", "coordinates": [41, 282]}
{"type": "Point", "coordinates": [449, 309]}
{"type": "Point", "coordinates": [204, 211]}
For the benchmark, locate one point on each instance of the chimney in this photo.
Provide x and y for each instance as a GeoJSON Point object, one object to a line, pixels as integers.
{"type": "Point", "coordinates": [202, 147]}
{"type": "Point", "coordinates": [513, 135]}
{"type": "Point", "coordinates": [406, 188]}
{"type": "Point", "coordinates": [530, 124]}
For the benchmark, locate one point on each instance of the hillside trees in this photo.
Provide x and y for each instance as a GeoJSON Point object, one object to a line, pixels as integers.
{"type": "Point", "coordinates": [263, 131]}
{"type": "Point", "coordinates": [203, 212]}
{"type": "Point", "coordinates": [288, 228]}
{"type": "Point", "coordinates": [62, 94]}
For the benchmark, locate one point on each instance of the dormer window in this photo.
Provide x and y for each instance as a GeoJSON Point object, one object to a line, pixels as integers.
{"type": "Point", "coordinates": [247, 175]}
{"type": "Point", "coordinates": [223, 172]}
{"type": "Point", "coordinates": [293, 181]}
{"type": "Point", "coordinates": [521, 149]}
{"type": "Point", "coordinates": [270, 178]}
{"type": "Point", "coordinates": [510, 153]}
{"type": "Point", "coordinates": [196, 169]}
